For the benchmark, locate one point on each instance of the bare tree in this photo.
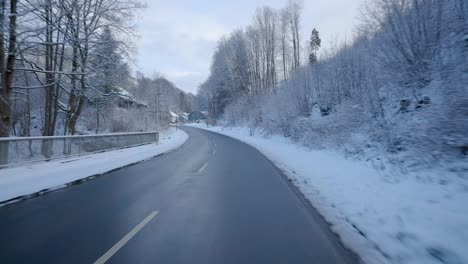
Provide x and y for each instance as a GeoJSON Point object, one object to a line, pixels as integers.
{"type": "Point", "coordinates": [285, 48]}
{"type": "Point", "coordinates": [8, 17]}
{"type": "Point", "coordinates": [409, 40]}
{"type": "Point", "coordinates": [294, 13]}
{"type": "Point", "coordinates": [266, 21]}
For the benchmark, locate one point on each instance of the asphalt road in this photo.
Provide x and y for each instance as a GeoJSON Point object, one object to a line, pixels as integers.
{"type": "Point", "coordinates": [213, 200]}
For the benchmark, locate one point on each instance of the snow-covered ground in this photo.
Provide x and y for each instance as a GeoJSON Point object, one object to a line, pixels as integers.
{"type": "Point", "coordinates": [383, 219]}
{"type": "Point", "coordinates": [28, 180]}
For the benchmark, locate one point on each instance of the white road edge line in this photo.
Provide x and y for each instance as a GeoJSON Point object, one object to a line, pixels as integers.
{"type": "Point", "coordinates": [125, 239]}
{"type": "Point", "coordinates": [203, 167]}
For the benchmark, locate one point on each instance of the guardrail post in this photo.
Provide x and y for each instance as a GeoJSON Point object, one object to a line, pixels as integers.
{"type": "Point", "coordinates": [4, 146]}
{"type": "Point", "coordinates": [30, 149]}
{"type": "Point", "coordinates": [46, 148]}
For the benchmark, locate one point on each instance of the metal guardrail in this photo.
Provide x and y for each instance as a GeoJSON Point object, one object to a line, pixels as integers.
{"type": "Point", "coordinates": [22, 150]}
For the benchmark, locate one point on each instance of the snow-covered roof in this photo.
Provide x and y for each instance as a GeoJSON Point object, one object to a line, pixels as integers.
{"type": "Point", "coordinates": [121, 91]}
{"type": "Point", "coordinates": [124, 94]}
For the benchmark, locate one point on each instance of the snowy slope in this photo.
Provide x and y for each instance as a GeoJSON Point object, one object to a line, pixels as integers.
{"type": "Point", "coordinates": [27, 180]}
{"type": "Point", "coordinates": [383, 219]}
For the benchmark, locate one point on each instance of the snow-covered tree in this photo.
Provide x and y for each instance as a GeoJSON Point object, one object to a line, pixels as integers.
{"type": "Point", "coordinates": [110, 68]}
{"type": "Point", "coordinates": [400, 81]}
{"type": "Point", "coordinates": [314, 45]}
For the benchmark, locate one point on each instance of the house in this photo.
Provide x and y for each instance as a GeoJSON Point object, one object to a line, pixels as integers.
{"type": "Point", "coordinates": [174, 117]}
{"type": "Point", "coordinates": [183, 117]}
{"type": "Point", "coordinates": [196, 116]}
{"type": "Point", "coordinates": [125, 99]}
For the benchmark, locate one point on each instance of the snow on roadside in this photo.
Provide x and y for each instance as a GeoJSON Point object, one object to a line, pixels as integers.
{"type": "Point", "coordinates": [384, 221]}
{"type": "Point", "coordinates": [30, 179]}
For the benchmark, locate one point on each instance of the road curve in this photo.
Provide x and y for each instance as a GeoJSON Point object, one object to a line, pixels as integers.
{"type": "Point", "coordinates": [213, 200]}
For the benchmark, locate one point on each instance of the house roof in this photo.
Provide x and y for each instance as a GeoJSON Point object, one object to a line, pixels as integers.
{"type": "Point", "coordinates": [126, 95]}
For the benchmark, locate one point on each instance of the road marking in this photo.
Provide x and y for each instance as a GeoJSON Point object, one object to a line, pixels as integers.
{"type": "Point", "coordinates": [125, 239]}
{"type": "Point", "coordinates": [202, 168]}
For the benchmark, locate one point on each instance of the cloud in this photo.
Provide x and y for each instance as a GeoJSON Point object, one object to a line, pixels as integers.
{"type": "Point", "coordinates": [178, 37]}
{"type": "Point", "coordinates": [177, 42]}
{"type": "Point", "coordinates": [182, 74]}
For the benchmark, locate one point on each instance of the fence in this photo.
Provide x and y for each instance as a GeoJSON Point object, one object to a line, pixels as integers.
{"type": "Point", "coordinates": [19, 150]}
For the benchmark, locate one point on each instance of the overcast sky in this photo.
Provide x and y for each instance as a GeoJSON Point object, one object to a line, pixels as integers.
{"type": "Point", "coordinates": [178, 37]}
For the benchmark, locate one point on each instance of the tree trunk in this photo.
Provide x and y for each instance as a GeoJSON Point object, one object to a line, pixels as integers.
{"type": "Point", "coordinates": [97, 116]}
{"type": "Point", "coordinates": [7, 71]}
{"type": "Point", "coordinates": [5, 124]}
{"type": "Point", "coordinates": [48, 129]}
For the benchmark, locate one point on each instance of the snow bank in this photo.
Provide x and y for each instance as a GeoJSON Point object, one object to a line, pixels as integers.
{"type": "Point", "coordinates": [27, 180]}
{"type": "Point", "coordinates": [383, 219]}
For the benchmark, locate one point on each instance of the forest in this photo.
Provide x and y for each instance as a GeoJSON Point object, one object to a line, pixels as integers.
{"type": "Point", "coordinates": [398, 87]}
{"type": "Point", "coordinates": [67, 68]}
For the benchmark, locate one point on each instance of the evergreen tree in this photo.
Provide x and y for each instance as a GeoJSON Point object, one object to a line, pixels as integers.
{"type": "Point", "coordinates": [109, 66]}
{"type": "Point", "coordinates": [315, 43]}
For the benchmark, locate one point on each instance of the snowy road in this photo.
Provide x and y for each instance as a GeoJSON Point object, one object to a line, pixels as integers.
{"type": "Point", "coordinates": [214, 200]}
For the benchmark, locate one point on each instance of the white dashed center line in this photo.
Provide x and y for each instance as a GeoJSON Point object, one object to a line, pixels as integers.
{"type": "Point", "coordinates": [125, 239]}
{"type": "Point", "coordinates": [202, 168]}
